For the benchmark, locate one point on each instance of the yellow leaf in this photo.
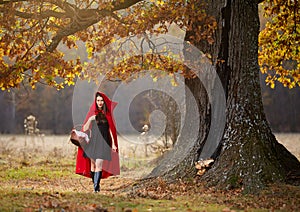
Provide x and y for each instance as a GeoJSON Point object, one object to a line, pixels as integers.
{"type": "Point", "coordinates": [160, 2]}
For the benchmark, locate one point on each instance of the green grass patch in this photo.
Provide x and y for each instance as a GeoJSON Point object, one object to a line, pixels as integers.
{"type": "Point", "coordinates": [13, 200]}
{"type": "Point", "coordinates": [18, 170]}
{"type": "Point", "coordinates": [44, 183]}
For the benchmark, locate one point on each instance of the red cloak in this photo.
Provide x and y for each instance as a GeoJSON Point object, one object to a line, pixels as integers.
{"type": "Point", "coordinates": [109, 168]}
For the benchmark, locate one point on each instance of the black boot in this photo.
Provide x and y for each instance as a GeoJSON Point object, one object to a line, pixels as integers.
{"type": "Point", "coordinates": [97, 178]}
{"type": "Point", "coordinates": [92, 175]}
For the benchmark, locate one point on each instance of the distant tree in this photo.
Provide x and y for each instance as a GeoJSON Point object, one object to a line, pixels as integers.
{"type": "Point", "coordinates": [281, 107]}
{"type": "Point", "coordinates": [50, 107]}
{"type": "Point", "coordinates": [7, 113]}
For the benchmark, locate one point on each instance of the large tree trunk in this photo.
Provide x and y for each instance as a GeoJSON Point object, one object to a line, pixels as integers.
{"type": "Point", "coordinates": [249, 156]}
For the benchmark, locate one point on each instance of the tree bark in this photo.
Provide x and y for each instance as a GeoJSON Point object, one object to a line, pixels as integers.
{"type": "Point", "coordinates": [249, 156]}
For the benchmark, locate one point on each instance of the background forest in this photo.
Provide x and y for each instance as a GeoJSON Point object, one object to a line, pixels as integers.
{"type": "Point", "coordinates": [53, 109]}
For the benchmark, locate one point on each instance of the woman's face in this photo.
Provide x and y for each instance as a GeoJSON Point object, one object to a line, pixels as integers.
{"type": "Point", "coordinates": [99, 102]}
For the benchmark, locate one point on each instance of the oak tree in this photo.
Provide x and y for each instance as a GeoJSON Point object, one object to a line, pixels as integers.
{"type": "Point", "coordinates": [249, 156]}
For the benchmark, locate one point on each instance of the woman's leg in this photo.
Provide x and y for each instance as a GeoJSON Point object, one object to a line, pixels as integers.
{"type": "Point", "coordinates": [98, 165]}
{"type": "Point", "coordinates": [98, 174]}
{"type": "Point", "coordinates": [93, 167]}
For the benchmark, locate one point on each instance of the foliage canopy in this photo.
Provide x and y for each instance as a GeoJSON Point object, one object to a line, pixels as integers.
{"type": "Point", "coordinates": [279, 42]}
{"type": "Point", "coordinates": [33, 35]}
{"type": "Point", "coordinates": [32, 30]}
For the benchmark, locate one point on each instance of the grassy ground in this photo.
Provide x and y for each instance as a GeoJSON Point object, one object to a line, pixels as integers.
{"type": "Point", "coordinates": [40, 178]}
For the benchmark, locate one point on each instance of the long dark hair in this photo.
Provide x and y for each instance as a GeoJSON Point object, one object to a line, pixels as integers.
{"type": "Point", "coordinates": [101, 114]}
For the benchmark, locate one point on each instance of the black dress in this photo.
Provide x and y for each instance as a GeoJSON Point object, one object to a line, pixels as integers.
{"type": "Point", "coordinates": [99, 146]}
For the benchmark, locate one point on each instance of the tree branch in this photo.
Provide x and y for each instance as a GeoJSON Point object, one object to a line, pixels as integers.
{"type": "Point", "coordinates": [64, 5]}
{"type": "Point", "coordinates": [77, 25]}
{"type": "Point", "coordinates": [124, 5]}
{"type": "Point", "coordinates": [10, 1]}
{"type": "Point", "coordinates": [80, 18]}
{"type": "Point", "coordinates": [83, 18]}
{"type": "Point", "coordinates": [43, 15]}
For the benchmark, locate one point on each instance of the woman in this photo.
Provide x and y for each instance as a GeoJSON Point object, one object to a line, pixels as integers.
{"type": "Point", "coordinates": [99, 158]}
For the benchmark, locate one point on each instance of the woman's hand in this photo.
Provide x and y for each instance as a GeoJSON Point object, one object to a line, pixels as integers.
{"type": "Point", "coordinates": [114, 147]}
